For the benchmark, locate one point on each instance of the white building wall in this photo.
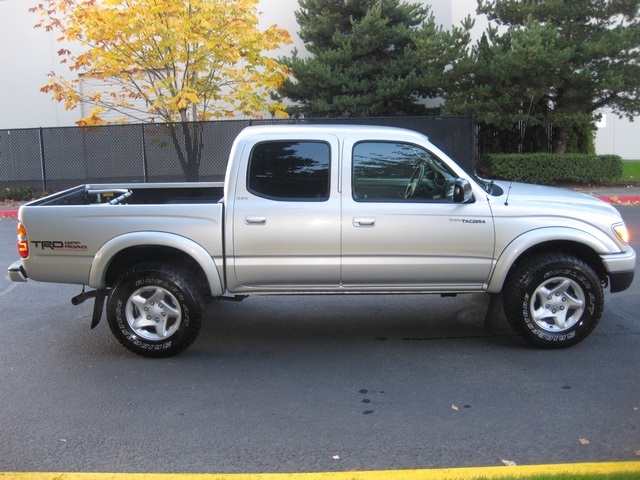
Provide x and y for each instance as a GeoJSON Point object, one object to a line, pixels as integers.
{"type": "Point", "coordinates": [618, 136]}
{"type": "Point", "coordinates": [28, 54]}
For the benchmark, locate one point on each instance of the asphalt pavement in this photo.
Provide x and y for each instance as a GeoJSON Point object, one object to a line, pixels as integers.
{"type": "Point", "coordinates": [311, 384]}
{"type": "Point", "coordinates": [578, 405]}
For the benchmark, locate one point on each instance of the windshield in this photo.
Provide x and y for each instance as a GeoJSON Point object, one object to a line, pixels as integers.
{"type": "Point", "coordinates": [487, 185]}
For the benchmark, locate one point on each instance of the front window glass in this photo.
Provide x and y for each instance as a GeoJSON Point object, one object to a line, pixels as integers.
{"type": "Point", "coordinates": [384, 171]}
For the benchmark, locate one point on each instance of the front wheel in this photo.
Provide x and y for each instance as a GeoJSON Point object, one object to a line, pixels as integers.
{"type": "Point", "coordinates": [553, 300]}
{"type": "Point", "coordinates": [154, 311]}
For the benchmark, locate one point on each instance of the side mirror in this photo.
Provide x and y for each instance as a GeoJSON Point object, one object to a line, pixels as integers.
{"type": "Point", "coordinates": [462, 192]}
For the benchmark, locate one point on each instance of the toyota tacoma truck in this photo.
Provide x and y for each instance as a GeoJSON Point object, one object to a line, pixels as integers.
{"type": "Point", "coordinates": [327, 210]}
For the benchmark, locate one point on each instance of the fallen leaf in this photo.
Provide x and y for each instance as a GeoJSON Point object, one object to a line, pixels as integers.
{"type": "Point", "coordinates": [508, 463]}
{"type": "Point", "coordinates": [584, 441]}
{"type": "Point", "coordinates": [454, 408]}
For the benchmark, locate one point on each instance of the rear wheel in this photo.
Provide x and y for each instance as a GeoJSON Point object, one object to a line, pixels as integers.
{"type": "Point", "coordinates": [553, 300]}
{"type": "Point", "coordinates": [154, 311]}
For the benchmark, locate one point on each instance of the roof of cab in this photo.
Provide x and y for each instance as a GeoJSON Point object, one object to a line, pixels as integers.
{"type": "Point", "coordinates": [339, 130]}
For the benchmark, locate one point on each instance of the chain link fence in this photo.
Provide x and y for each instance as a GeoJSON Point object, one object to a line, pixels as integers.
{"type": "Point", "coordinates": [52, 159]}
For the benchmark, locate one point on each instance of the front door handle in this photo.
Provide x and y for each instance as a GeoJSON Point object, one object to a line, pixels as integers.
{"type": "Point", "coordinates": [364, 222]}
{"type": "Point", "coordinates": [255, 220]}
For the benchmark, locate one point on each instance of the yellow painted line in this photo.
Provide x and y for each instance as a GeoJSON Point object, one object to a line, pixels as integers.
{"type": "Point", "coordinates": [521, 471]}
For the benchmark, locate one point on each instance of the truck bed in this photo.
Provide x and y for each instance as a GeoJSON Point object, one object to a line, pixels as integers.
{"type": "Point", "coordinates": [140, 194]}
{"type": "Point", "coordinates": [67, 230]}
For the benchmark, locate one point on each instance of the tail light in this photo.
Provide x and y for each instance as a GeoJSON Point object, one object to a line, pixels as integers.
{"type": "Point", "coordinates": [23, 243]}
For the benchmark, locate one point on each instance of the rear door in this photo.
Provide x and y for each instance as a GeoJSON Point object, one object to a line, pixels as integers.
{"type": "Point", "coordinates": [286, 216]}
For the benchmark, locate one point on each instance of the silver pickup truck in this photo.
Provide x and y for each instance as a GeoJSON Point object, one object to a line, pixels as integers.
{"type": "Point", "coordinates": [327, 210]}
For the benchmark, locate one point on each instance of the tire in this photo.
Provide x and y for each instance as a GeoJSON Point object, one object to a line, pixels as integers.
{"type": "Point", "coordinates": [171, 305]}
{"type": "Point", "coordinates": [553, 300]}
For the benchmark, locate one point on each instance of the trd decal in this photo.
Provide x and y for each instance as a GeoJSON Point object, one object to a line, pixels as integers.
{"type": "Point", "coordinates": [57, 245]}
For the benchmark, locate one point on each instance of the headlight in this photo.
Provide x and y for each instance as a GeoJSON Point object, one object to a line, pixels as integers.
{"type": "Point", "coordinates": [621, 232]}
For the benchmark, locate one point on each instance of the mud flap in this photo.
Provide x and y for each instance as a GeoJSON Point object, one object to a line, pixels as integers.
{"type": "Point", "coordinates": [98, 307]}
{"type": "Point", "coordinates": [494, 310]}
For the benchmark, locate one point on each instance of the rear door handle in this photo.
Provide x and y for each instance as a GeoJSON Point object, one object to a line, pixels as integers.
{"type": "Point", "coordinates": [255, 220]}
{"type": "Point", "coordinates": [364, 222]}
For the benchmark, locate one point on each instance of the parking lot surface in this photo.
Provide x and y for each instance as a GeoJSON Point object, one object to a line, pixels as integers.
{"type": "Point", "coordinates": [311, 384]}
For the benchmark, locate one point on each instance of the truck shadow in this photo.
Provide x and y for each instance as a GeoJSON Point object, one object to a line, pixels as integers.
{"type": "Point", "coordinates": [298, 320]}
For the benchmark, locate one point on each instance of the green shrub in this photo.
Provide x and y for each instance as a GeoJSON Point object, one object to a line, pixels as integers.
{"type": "Point", "coordinates": [549, 169]}
{"type": "Point", "coordinates": [18, 194]}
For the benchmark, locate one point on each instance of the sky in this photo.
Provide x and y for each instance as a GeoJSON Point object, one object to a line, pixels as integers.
{"type": "Point", "coordinates": [28, 54]}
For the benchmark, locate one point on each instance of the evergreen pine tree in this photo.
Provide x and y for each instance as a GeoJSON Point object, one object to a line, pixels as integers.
{"type": "Point", "coordinates": [367, 58]}
{"type": "Point", "coordinates": [551, 62]}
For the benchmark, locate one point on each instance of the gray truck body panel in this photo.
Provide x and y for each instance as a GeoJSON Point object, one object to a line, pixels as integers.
{"type": "Point", "coordinates": [345, 243]}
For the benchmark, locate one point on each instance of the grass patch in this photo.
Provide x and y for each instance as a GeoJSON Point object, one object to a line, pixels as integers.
{"type": "Point", "coordinates": [568, 476]}
{"type": "Point", "coordinates": [631, 171]}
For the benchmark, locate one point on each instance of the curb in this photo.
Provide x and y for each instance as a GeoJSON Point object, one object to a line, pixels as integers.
{"type": "Point", "coordinates": [577, 470]}
{"type": "Point", "coordinates": [8, 213]}
{"type": "Point", "coordinates": [621, 199]}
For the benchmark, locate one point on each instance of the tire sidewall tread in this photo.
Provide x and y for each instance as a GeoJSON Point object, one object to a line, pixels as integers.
{"type": "Point", "coordinates": [174, 281]}
{"type": "Point", "coordinates": [528, 276]}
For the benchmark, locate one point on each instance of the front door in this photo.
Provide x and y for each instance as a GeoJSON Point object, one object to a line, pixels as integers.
{"type": "Point", "coordinates": [401, 228]}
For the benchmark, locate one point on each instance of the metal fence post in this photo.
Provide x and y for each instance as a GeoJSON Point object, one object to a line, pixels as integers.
{"type": "Point", "coordinates": [43, 169]}
{"type": "Point", "coordinates": [145, 167]}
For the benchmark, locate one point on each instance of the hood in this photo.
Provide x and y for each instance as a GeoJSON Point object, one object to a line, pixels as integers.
{"type": "Point", "coordinates": [561, 201]}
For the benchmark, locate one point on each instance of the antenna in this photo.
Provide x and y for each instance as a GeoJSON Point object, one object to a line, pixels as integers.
{"type": "Point", "coordinates": [506, 201]}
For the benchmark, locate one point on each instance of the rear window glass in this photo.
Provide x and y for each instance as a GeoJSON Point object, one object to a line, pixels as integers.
{"type": "Point", "coordinates": [287, 170]}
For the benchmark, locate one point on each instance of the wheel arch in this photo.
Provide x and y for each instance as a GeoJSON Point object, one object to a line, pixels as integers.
{"type": "Point", "coordinates": [131, 249]}
{"type": "Point", "coordinates": [584, 247]}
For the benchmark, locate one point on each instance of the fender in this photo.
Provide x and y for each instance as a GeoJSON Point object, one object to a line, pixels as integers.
{"type": "Point", "coordinates": [599, 244]}
{"type": "Point", "coordinates": [103, 257]}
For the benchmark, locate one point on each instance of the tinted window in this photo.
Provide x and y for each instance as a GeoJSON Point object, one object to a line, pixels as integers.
{"type": "Point", "coordinates": [290, 170]}
{"type": "Point", "coordinates": [399, 172]}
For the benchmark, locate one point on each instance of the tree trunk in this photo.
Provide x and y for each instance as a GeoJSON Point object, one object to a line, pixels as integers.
{"type": "Point", "coordinates": [562, 140]}
{"type": "Point", "coordinates": [192, 168]}
{"type": "Point", "coordinates": [189, 151]}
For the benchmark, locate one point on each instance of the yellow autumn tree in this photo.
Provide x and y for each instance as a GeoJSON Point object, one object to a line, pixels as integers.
{"type": "Point", "coordinates": [173, 61]}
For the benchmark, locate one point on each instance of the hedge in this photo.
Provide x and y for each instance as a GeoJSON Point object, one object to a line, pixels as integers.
{"type": "Point", "coordinates": [549, 169]}
{"type": "Point", "coordinates": [17, 194]}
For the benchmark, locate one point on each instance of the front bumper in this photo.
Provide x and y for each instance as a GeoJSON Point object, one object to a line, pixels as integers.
{"type": "Point", "coordinates": [17, 273]}
{"type": "Point", "coordinates": [620, 269]}
{"type": "Point", "coordinates": [620, 281]}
